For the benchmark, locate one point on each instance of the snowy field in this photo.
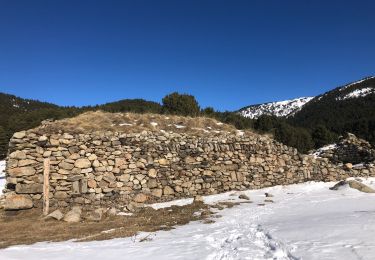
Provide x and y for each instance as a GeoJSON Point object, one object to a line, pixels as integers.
{"type": "Point", "coordinates": [306, 221]}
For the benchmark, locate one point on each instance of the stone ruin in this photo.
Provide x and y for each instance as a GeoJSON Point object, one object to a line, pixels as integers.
{"type": "Point", "coordinates": [350, 150]}
{"type": "Point", "coordinates": [115, 169]}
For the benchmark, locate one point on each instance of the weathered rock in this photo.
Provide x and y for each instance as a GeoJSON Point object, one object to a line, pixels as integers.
{"type": "Point", "coordinates": [66, 166]}
{"type": "Point", "coordinates": [198, 198]}
{"type": "Point", "coordinates": [19, 135]}
{"type": "Point", "coordinates": [21, 171]}
{"type": "Point", "coordinates": [95, 215]}
{"type": "Point", "coordinates": [60, 195]}
{"type": "Point", "coordinates": [91, 183]}
{"type": "Point", "coordinates": [338, 185]}
{"type": "Point", "coordinates": [31, 188]}
{"type": "Point", "coordinates": [360, 186]}
{"type": "Point", "coordinates": [157, 192]}
{"type": "Point", "coordinates": [243, 197]}
{"type": "Point", "coordinates": [152, 183]}
{"type": "Point", "coordinates": [19, 155]}
{"type": "Point", "coordinates": [140, 198]}
{"type": "Point", "coordinates": [189, 160]}
{"type": "Point", "coordinates": [82, 163]}
{"type": "Point", "coordinates": [112, 212]}
{"type": "Point", "coordinates": [72, 216]}
{"type": "Point", "coordinates": [17, 202]}
{"type": "Point", "coordinates": [152, 173]}
{"type": "Point", "coordinates": [168, 191]}
{"type": "Point", "coordinates": [57, 214]}
{"type": "Point", "coordinates": [163, 162]}
{"type": "Point", "coordinates": [26, 162]}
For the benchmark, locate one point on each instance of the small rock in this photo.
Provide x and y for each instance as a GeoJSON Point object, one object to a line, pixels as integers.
{"type": "Point", "coordinates": [112, 212]}
{"type": "Point", "coordinates": [95, 215]}
{"type": "Point", "coordinates": [243, 197]}
{"type": "Point", "coordinates": [57, 214]}
{"type": "Point", "coordinates": [91, 183]}
{"type": "Point", "coordinates": [157, 192]}
{"type": "Point", "coordinates": [140, 198]}
{"type": "Point", "coordinates": [163, 162]}
{"type": "Point", "coordinates": [198, 198]}
{"type": "Point", "coordinates": [168, 190]}
{"type": "Point", "coordinates": [268, 195]}
{"type": "Point", "coordinates": [82, 163]}
{"type": "Point", "coordinates": [338, 185]}
{"type": "Point", "coordinates": [348, 166]}
{"type": "Point", "coordinates": [152, 173]}
{"type": "Point", "coordinates": [19, 135]}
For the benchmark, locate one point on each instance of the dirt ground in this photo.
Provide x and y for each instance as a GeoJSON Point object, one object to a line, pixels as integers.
{"type": "Point", "coordinates": [28, 227]}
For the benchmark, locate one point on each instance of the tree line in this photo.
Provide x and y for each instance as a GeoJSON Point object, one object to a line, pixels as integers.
{"type": "Point", "coordinates": [299, 134]}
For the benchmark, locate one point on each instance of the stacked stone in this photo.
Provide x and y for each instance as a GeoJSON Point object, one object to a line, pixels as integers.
{"type": "Point", "coordinates": [350, 149]}
{"type": "Point", "coordinates": [111, 168]}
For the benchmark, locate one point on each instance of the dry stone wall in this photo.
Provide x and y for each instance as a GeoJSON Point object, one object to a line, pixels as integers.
{"type": "Point", "coordinates": [112, 169]}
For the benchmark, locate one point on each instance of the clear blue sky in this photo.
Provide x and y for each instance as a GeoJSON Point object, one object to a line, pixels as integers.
{"type": "Point", "coordinates": [228, 54]}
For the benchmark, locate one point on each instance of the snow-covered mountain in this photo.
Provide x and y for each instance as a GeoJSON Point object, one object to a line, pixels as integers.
{"type": "Point", "coordinates": [280, 108]}
{"type": "Point", "coordinates": [352, 91]}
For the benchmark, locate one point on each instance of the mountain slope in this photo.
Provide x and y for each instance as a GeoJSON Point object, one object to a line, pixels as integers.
{"type": "Point", "coordinates": [350, 108]}
{"type": "Point", "coordinates": [284, 108]}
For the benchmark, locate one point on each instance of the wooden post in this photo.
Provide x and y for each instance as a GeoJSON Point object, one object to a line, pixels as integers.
{"type": "Point", "coordinates": [46, 166]}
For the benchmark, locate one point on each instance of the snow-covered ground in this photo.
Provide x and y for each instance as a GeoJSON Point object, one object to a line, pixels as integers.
{"type": "Point", "coordinates": [2, 176]}
{"type": "Point", "coordinates": [358, 93]}
{"type": "Point", "coordinates": [279, 108]}
{"type": "Point", "coordinates": [306, 221]}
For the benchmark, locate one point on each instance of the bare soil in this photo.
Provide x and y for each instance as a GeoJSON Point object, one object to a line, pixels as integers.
{"type": "Point", "coordinates": [28, 227]}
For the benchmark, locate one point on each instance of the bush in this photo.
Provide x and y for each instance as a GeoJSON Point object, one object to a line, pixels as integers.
{"type": "Point", "coordinates": [180, 104]}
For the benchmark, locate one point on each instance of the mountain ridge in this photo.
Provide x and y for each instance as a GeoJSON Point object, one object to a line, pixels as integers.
{"type": "Point", "coordinates": [289, 107]}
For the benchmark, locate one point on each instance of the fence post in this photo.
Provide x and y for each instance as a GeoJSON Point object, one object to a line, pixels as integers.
{"type": "Point", "coordinates": [46, 166]}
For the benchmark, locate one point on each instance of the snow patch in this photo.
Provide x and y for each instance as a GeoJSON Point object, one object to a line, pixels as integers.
{"type": "Point", "coordinates": [357, 93]}
{"type": "Point", "coordinates": [321, 150]}
{"type": "Point", "coordinates": [279, 109]}
{"type": "Point", "coordinates": [306, 221]}
{"type": "Point", "coordinates": [355, 83]}
{"type": "Point", "coordinates": [179, 126]}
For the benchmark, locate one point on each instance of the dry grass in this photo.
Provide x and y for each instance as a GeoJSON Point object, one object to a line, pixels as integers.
{"type": "Point", "coordinates": [27, 227]}
{"type": "Point", "coordinates": [135, 123]}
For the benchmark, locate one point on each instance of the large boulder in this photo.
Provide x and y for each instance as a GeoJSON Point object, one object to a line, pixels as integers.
{"type": "Point", "coordinates": [17, 202]}
{"type": "Point", "coordinates": [360, 186]}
